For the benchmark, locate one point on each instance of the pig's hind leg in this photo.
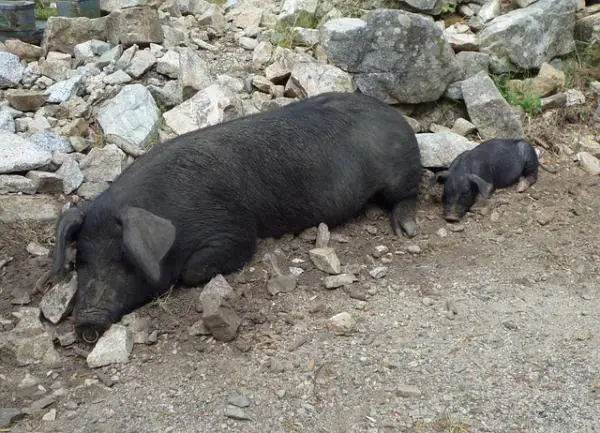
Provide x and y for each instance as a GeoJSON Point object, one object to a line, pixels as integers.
{"type": "Point", "coordinates": [529, 175]}
{"type": "Point", "coordinates": [218, 255]}
{"type": "Point", "coordinates": [403, 205]}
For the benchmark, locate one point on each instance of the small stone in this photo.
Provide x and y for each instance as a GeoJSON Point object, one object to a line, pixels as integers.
{"type": "Point", "coordinates": [218, 316]}
{"type": "Point", "coordinates": [407, 391]}
{"type": "Point", "coordinates": [57, 302]}
{"type": "Point", "coordinates": [198, 328]}
{"type": "Point", "coordinates": [36, 249]}
{"type": "Point", "coordinates": [372, 230]}
{"type": "Point", "coordinates": [463, 127]}
{"type": "Point", "coordinates": [378, 272]}
{"type": "Point", "coordinates": [442, 232]}
{"type": "Point", "coordinates": [114, 346]}
{"type": "Point", "coordinates": [379, 251]}
{"type": "Point", "coordinates": [358, 293]}
{"type": "Point", "coordinates": [428, 302]}
{"type": "Point", "coordinates": [323, 236]}
{"type": "Point", "coordinates": [544, 218]}
{"type": "Point", "coordinates": [510, 326]}
{"type": "Point", "coordinates": [326, 260]}
{"type": "Point", "coordinates": [25, 100]}
{"type": "Point", "coordinates": [50, 415]}
{"type": "Point", "coordinates": [239, 400]}
{"type": "Point", "coordinates": [457, 228]}
{"type": "Point", "coordinates": [341, 324]}
{"type": "Point", "coordinates": [282, 283]}
{"type": "Point", "coordinates": [335, 281]}
{"type": "Point", "coordinates": [235, 412]}
{"type": "Point", "coordinates": [280, 393]}
{"type": "Point", "coordinates": [67, 339]}
{"type": "Point", "coordinates": [589, 163]}
{"type": "Point", "coordinates": [413, 249]}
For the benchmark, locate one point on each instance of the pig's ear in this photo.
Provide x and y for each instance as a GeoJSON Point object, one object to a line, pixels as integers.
{"type": "Point", "coordinates": [69, 224]}
{"type": "Point", "coordinates": [440, 177]}
{"type": "Point", "coordinates": [147, 238]}
{"type": "Point", "coordinates": [485, 188]}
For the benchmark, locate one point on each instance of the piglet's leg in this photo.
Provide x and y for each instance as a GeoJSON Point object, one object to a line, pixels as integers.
{"type": "Point", "coordinates": [530, 168]}
{"type": "Point", "coordinates": [219, 255]}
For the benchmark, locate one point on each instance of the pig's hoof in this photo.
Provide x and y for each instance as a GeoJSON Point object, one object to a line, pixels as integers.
{"type": "Point", "coordinates": [522, 185]}
{"type": "Point", "coordinates": [452, 218]}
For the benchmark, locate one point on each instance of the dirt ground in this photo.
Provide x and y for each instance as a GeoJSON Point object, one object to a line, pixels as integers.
{"type": "Point", "coordinates": [491, 327]}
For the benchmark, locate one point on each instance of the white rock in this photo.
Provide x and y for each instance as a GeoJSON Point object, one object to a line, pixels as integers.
{"type": "Point", "coordinates": [589, 163]}
{"type": "Point", "coordinates": [340, 280]}
{"type": "Point", "coordinates": [102, 164]}
{"type": "Point", "coordinates": [19, 154]}
{"type": "Point", "coordinates": [325, 259]}
{"type": "Point", "coordinates": [210, 106]}
{"type": "Point", "coordinates": [441, 148]}
{"type": "Point", "coordinates": [341, 324]}
{"type": "Point", "coordinates": [11, 69]}
{"type": "Point", "coordinates": [168, 64]}
{"type": "Point", "coordinates": [132, 115]}
{"type": "Point", "coordinates": [58, 300]}
{"type": "Point", "coordinates": [114, 346]}
{"type": "Point", "coordinates": [71, 175]}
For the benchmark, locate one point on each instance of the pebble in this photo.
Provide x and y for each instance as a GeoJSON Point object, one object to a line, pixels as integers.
{"type": "Point", "coordinates": [326, 260]}
{"type": "Point", "coordinates": [427, 301]}
{"type": "Point", "coordinates": [358, 293]}
{"type": "Point", "coordinates": [379, 251]}
{"type": "Point", "coordinates": [335, 281]}
{"type": "Point", "coordinates": [341, 324]}
{"type": "Point", "coordinates": [198, 328]}
{"type": "Point", "coordinates": [457, 228]}
{"type": "Point", "coordinates": [280, 393]}
{"type": "Point", "coordinates": [50, 415]}
{"type": "Point", "coordinates": [239, 400]}
{"type": "Point", "coordinates": [378, 272]}
{"type": "Point", "coordinates": [323, 236]}
{"type": "Point", "coordinates": [413, 249]}
{"type": "Point", "coordinates": [408, 391]}
{"type": "Point", "coordinates": [494, 216]}
{"type": "Point", "coordinates": [235, 412]}
{"type": "Point", "coordinates": [36, 249]}
{"type": "Point", "coordinates": [442, 232]}
{"type": "Point", "coordinates": [372, 230]}
{"type": "Point", "coordinates": [544, 218]}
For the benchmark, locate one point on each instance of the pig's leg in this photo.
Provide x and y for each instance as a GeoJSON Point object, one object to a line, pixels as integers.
{"type": "Point", "coordinates": [221, 255]}
{"type": "Point", "coordinates": [404, 207]}
{"type": "Point", "coordinates": [530, 168]}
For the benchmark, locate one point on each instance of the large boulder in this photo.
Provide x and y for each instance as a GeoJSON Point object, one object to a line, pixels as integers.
{"type": "Point", "coordinates": [530, 36]}
{"type": "Point", "coordinates": [136, 25]}
{"type": "Point", "coordinates": [390, 53]}
{"type": "Point", "coordinates": [62, 33]}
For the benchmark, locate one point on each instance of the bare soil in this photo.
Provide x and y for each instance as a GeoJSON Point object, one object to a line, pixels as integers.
{"type": "Point", "coordinates": [491, 327]}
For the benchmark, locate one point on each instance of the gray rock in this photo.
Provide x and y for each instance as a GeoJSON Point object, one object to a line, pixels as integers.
{"type": "Point", "coordinates": [29, 342]}
{"type": "Point", "coordinates": [341, 324]}
{"type": "Point", "coordinates": [239, 400]}
{"type": "Point", "coordinates": [8, 415]}
{"type": "Point", "coordinates": [235, 412]}
{"type": "Point", "coordinates": [193, 73]}
{"type": "Point", "coordinates": [378, 272]}
{"type": "Point", "coordinates": [63, 33]}
{"type": "Point", "coordinates": [586, 28]}
{"type": "Point", "coordinates": [71, 175]}
{"type": "Point", "coordinates": [36, 249]}
{"type": "Point", "coordinates": [18, 154]}
{"type": "Point", "coordinates": [432, 7]}
{"type": "Point", "coordinates": [141, 62]}
{"type": "Point", "coordinates": [49, 141]}
{"type": "Point", "coordinates": [139, 326]}
{"type": "Point", "coordinates": [15, 208]}
{"type": "Point", "coordinates": [308, 79]}
{"type": "Point", "coordinates": [111, 56]}
{"type": "Point", "coordinates": [262, 54]}
{"type": "Point", "coordinates": [90, 190]}
{"type": "Point", "coordinates": [136, 25]}
{"type": "Point", "coordinates": [117, 77]}
{"type": "Point", "coordinates": [7, 123]}
{"type": "Point", "coordinates": [530, 36]}
{"type": "Point", "coordinates": [45, 182]}
{"type": "Point", "coordinates": [390, 61]}
{"type": "Point", "coordinates": [25, 99]}
{"type": "Point", "coordinates": [102, 164]}
{"type": "Point", "coordinates": [168, 64]}
{"type": "Point", "coordinates": [11, 70]}
{"type": "Point", "coordinates": [298, 12]}
{"type": "Point", "coordinates": [58, 301]}
{"type": "Point", "coordinates": [441, 148]}
{"type": "Point", "coordinates": [335, 281]}
{"type": "Point", "coordinates": [489, 11]}
{"type": "Point", "coordinates": [198, 328]}
{"type": "Point", "coordinates": [56, 69]}
{"type": "Point", "coordinates": [210, 106]}
{"type": "Point", "coordinates": [167, 96]}
{"type": "Point", "coordinates": [326, 260]}
{"type": "Point", "coordinates": [281, 283]}
{"type": "Point", "coordinates": [113, 347]}
{"type": "Point", "coordinates": [132, 115]}
{"type": "Point", "coordinates": [589, 163]}
{"type": "Point", "coordinates": [16, 183]}
{"type": "Point", "coordinates": [488, 110]}
{"type": "Point", "coordinates": [63, 90]}
{"type": "Point", "coordinates": [218, 315]}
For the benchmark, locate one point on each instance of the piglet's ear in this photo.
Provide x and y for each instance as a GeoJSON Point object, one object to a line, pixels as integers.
{"type": "Point", "coordinates": [485, 188]}
{"type": "Point", "coordinates": [68, 226]}
{"type": "Point", "coordinates": [147, 238]}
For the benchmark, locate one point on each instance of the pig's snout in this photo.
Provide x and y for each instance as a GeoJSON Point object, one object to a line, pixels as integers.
{"type": "Point", "coordinates": [90, 325]}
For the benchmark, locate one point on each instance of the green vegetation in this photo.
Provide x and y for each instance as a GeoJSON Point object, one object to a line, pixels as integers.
{"type": "Point", "coordinates": [523, 96]}
{"type": "Point", "coordinates": [42, 14]}
{"type": "Point", "coordinates": [583, 65]}
{"type": "Point", "coordinates": [448, 8]}
{"type": "Point", "coordinates": [284, 34]}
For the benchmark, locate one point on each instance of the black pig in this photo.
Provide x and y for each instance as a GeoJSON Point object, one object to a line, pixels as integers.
{"type": "Point", "coordinates": [194, 207]}
{"type": "Point", "coordinates": [495, 163]}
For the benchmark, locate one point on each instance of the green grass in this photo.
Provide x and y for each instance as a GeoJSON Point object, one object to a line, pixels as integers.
{"type": "Point", "coordinates": [42, 14]}
{"type": "Point", "coordinates": [523, 96]}
{"type": "Point", "coordinates": [283, 33]}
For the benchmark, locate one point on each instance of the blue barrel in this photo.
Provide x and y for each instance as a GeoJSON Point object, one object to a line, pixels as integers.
{"type": "Point", "coordinates": [79, 8]}
{"type": "Point", "coordinates": [17, 20]}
